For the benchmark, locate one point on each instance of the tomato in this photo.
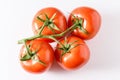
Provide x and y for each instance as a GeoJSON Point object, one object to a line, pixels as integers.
{"type": "Point", "coordinates": [41, 59]}
{"type": "Point", "coordinates": [59, 21]}
{"type": "Point", "coordinates": [91, 22]}
{"type": "Point", "coordinates": [76, 56]}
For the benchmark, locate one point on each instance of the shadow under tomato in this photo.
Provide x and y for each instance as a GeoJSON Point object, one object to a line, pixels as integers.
{"type": "Point", "coordinates": [56, 68]}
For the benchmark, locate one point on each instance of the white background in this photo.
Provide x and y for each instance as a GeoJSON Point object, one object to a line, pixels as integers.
{"type": "Point", "coordinates": [15, 23]}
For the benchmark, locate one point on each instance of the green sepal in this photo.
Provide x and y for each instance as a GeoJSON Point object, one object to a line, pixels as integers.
{"type": "Point", "coordinates": [51, 19]}
{"type": "Point", "coordinates": [40, 19]}
{"type": "Point", "coordinates": [53, 26]}
{"type": "Point", "coordinates": [68, 46]}
{"type": "Point", "coordinates": [26, 57]}
{"type": "Point", "coordinates": [36, 58]}
{"type": "Point", "coordinates": [41, 62]}
{"type": "Point", "coordinates": [48, 23]}
{"type": "Point", "coordinates": [73, 42]}
{"type": "Point", "coordinates": [51, 29]}
{"type": "Point", "coordinates": [79, 22]}
{"type": "Point", "coordinates": [47, 18]}
{"type": "Point", "coordinates": [83, 30]}
{"type": "Point", "coordinates": [61, 48]}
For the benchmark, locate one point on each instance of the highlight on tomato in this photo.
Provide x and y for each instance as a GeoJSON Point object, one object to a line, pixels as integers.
{"type": "Point", "coordinates": [49, 21]}
{"type": "Point", "coordinates": [36, 56]}
{"type": "Point", "coordinates": [72, 53]}
{"type": "Point", "coordinates": [90, 25]}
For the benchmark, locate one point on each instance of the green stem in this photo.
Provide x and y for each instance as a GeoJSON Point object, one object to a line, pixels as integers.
{"type": "Point", "coordinates": [53, 38]}
{"type": "Point", "coordinates": [30, 38]}
{"type": "Point", "coordinates": [48, 22]}
{"type": "Point", "coordinates": [49, 36]}
{"type": "Point", "coordinates": [67, 30]}
{"type": "Point", "coordinates": [63, 33]}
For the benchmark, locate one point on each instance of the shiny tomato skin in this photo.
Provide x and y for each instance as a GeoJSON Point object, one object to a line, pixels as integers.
{"type": "Point", "coordinates": [45, 54]}
{"type": "Point", "coordinates": [92, 22]}
{"type": "Point", "coordinates": [59, 20]}
{"type": "Point", "coordinates": [77, 57]}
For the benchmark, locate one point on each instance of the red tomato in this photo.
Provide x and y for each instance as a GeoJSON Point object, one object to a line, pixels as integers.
{"type": "Point", "coordinates": [76, 57]}
{"type": "Point", "coordinates": [91, 21]}
{"type": "Point", "coordinates": [59, 20]}
{"type": "Point", "coordinates": [41, 58]}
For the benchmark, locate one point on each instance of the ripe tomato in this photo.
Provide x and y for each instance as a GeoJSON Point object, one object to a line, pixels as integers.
{"type": "Point", "coordinates": [76, 56]}
{"type": "Point", "coordinates": [40, 59]}
{"type": "Point", "coordinates": [59, 21]}
{"type": "Point", "coordinates": [91, 21]}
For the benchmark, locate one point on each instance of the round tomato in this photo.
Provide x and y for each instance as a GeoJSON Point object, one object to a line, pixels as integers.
{"type": "Point", "coordinates": [73, 54]}
{"type": "Point", "coordinates": [91, 22]}
{"type": "Point", "coordinates": [53, 19]}
{"type": "Point", "coordinates": [38, 58]}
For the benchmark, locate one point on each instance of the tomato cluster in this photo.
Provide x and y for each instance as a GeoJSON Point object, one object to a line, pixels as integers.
{"type": "Point", "coordinates": [49, 25]}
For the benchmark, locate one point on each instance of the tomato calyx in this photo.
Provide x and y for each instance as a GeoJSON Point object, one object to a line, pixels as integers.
{"type": "Point", "coordinates": [31, 55]}
{"type": "Point", "coordinates": [79, 22]}
{"type": "Point", "coordinates": [68, 46]}
{"type": "Point", "coordinates": [48, 23]}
